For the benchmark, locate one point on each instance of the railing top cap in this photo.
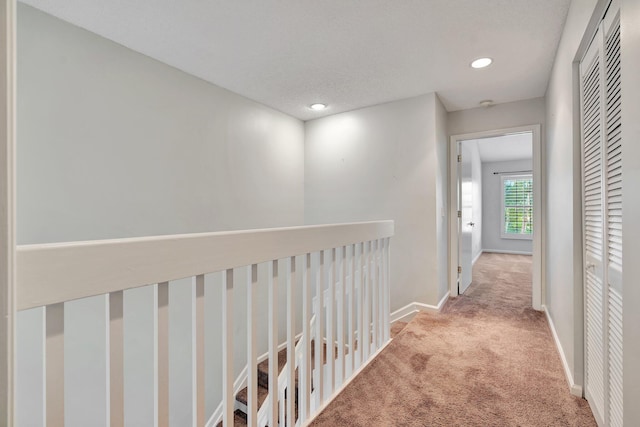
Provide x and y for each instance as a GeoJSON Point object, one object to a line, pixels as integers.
{"type": "Point", "coordinates": [58, 272]}
{"type": "Point", "coordinates": [243, 232]}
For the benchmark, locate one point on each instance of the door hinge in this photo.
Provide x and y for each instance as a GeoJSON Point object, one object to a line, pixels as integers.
{"type": "Point", "coordinates": [459, 158]}
{"type": "Point", "coordinates": [459, 270]}
{"type": "Point", "coordinates": [459, 214]}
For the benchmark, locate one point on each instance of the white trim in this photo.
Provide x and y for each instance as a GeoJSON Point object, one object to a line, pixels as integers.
{"type": "Point", "coordinates": [404, 314]}
{"type": "Point", "coordinates": [7, 210]}
{"type": "Point", "coordinates": [407, 312]}
{"type": "Point", "coordinates": [505, 251]}
{"type": "Point", "coordinates": [517, 236]}
{"type": "Point", "coordinates": [335, 394]}
{"type": "Point", "coordinates": [574, 388]}
{"type": "Point", "coordinates": [537, 283]}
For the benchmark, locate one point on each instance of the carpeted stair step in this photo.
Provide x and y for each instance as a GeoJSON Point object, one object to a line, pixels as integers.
{"type": "Point", "coordinates": [263, 380]}
{"type": "Point", "coordinates": [263, 368]}
{"type": "Point", "coordinates": [242, 395]}
{"type": "Point", "coordinates": [239, 419]}
{"type": "Point", "coordinates": [263, 377]}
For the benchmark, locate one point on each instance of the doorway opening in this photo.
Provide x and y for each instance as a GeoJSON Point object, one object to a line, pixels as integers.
{"type": "Point", "coordinates": [495, 202]}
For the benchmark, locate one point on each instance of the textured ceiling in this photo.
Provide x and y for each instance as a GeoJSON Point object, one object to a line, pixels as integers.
{"type": "Point", "coordinates": [349, 54]}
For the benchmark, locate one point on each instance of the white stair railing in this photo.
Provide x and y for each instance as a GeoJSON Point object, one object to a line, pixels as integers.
{"type": "Point", "coordinates": [347, 263]}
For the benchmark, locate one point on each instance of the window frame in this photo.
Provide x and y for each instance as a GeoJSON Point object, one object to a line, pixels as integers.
{"type": "Point", "coordinates": [503, 233]}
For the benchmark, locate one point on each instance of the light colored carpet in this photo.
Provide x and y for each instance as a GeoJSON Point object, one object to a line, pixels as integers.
{"type": "Point", "coordinates": [487, 359]}
{"type": "Point", "coordinates": [396, 328]}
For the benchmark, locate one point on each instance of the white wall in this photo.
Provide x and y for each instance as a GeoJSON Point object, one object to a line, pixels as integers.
{"type": "Point", "coordinates": [492, 208]}
{"type": "Point", "coordinates": [630, 45]}
{"type": "Point", "coordinates": [386, 162]}
{"type": "Point", "coordinates": [563, 251]}
{"type": "Point", "coordinates": [501, 116]}
{"type": "Point", "coordinates": [112, 143]}
{"type": "Point", "coordinates": [442, 197]}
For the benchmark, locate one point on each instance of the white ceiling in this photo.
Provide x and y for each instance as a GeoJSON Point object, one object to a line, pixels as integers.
{"type": "Point", "coordinates": [349, 54]}
{"type": "Point", "coordinates": [505, 148]}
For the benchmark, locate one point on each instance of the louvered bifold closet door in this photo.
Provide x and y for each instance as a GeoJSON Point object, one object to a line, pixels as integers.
{"type": "Point", "coordinates": [602, 197]}
{"type": "Point", "coordinates": [592, 137]}
{"type": "Point", "coordinates": [613, 218]}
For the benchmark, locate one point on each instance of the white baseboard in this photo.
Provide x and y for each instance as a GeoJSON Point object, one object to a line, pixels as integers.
{"type": "Point", "coordinates": [407, 312]}
{"type": "Point", "coordinates": [504, 251]}
{"type": "Point", "coordinates": [574, 388]}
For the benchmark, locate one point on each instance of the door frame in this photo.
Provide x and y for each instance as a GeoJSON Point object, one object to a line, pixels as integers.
{"type": "Point", "coordinates": [460, 226]}
{"type": "Point", "coordinates": [7, 208]}
{"type": "Point", "coordinates": [537, 286]}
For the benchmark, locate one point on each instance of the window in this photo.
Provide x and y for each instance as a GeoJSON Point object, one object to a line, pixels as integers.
{"type": "Point", "coordinates": [517, 206]}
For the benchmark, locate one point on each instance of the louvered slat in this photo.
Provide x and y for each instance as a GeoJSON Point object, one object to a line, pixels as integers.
{"type": "Point", "coordinates": [615, 358]}
{"type": "Point", "coordinates": [592, 160]}
{"type": "Point", "coordinates": [613, 120]}
{"type": "Point", "coordinates": [594, 336]}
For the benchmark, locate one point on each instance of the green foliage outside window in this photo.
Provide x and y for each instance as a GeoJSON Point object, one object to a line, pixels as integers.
{"type": "Point", "coordinates": [518, 205]}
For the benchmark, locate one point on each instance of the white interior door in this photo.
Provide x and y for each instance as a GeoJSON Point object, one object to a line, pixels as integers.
{"type": "Point", "coordinates": [612, 153]}
{"type": "Point", "coordinates": [593, 227]}
{"type": "Point", "coordinates": [602, 237]}
{"type": "Point", "coordinates": [466, 220]}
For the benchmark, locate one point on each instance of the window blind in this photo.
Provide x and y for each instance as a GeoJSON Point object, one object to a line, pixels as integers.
{"type": "Point", "coordinates": [517, 196]}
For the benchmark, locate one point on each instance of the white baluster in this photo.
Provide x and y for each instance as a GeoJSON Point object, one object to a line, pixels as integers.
{"type": "Point", "coordinates": [340, 314]}
{"type": "Point", "coordinates": [352, 309]}
{"type": "Point", "coordinates": [197, 350]}
{"type": "Point", "coordinates": [359, 301]}
{"type": "Point", "coordinates": [115, 378]}
{"type": "Point", "coordinates": [161, 296]}
{"type": "Point", "coordinates": [330, 279]}
{"type": "Point", "coordinates": [386, 291]}
{"type": "Point", "coordinates": [228, 397]}
{"type": "Point", "coordinates": [305, 367]}
{"type": "Point", "coordinates": [375, 295]}
{"type": "Point", "coordinates": [272, 278]}
{"type": "Point", "coordinates": [54, 364]}
{"type": "Point", "coordinates": [318, 384]}
{"type": "Point", "coordinates": [378, 294]}
{"type": "Point", "coordinates": [252, 353]}
{"type": "Point", "coordinates": [291, 341]}
{"type": "Point", "coordinates": [281, 406]}
{"type": "Point", "coordinates": [380, 290]}
{"type": "Point", "coordinates": [366, 323]}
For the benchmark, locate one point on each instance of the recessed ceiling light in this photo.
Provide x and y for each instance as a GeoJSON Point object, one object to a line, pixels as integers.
{"type": "Point", "coordinates": [318, 106]}
{"type": "Point", "coordinates": [481, 62]}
